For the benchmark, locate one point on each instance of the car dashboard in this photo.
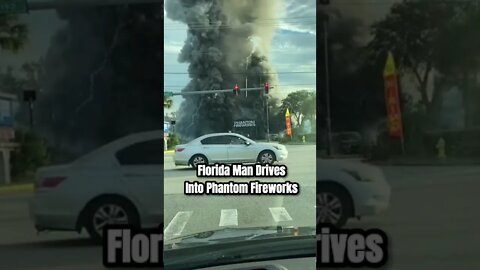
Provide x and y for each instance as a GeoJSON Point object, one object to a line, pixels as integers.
{"type": "Point", "coordinates": [303, 263]}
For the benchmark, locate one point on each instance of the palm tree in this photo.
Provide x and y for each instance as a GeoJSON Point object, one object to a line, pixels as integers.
{"type": "Point", "coordinates": [167, 102]}
{"type": "Point", "coordinates": [13, 33]}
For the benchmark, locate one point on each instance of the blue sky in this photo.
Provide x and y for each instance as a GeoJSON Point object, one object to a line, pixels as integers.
{"type": "Point", "coordinates": [293, 49]}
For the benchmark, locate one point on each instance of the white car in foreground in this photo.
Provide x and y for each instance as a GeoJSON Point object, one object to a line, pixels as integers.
{"type": "Point", "coordinates": [227, 148]}
{"type": "Point", "coordinates": [347, 189]}
{"type": "Point", "coordinates": [121, 182]}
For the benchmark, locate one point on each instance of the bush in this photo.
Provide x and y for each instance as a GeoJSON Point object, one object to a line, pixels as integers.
{"type": "Point", "coordinates": [284, 140]}
{"type": "Point", "coordinates": [173, 140]}
{"type": "Point", "coordinates": [29, 156]}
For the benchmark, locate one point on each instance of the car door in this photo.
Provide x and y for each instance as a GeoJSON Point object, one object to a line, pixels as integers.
{"type": "Point", "coordinates": [239, 151]}
{"type": "Point", "coordinates": [141, 166]}
{"type": "Point", "coordinates": [215, 148]}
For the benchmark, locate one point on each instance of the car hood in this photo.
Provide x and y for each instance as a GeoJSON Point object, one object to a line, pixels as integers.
{"type": "Point", "coordinates": [236, 234]}
{"type": "Point", "coordinates": [366, 170]}
{"type": "Point", "coordinates": [267, 144]}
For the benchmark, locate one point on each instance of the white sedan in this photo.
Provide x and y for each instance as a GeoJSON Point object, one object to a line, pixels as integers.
{"type": "Point", "coordinates": [227, 148]}
{"type": "Point", "coordinates": [121, 182]}
{"type": "Point", "coordinates": [347, 189]}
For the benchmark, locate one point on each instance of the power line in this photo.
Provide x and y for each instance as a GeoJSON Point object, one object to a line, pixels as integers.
{"type": "Point", "coordinates": [256, 22]}
{"type": "Point", "coordinates": [229, 26]}
{"type": "Point", "coordinates": [177, 94]}
{"type": "Point", "coordinates": [263, 19]}
{"type": "Point", "coordinates": [233, 27]}
{"type": "Point", "coordinates": [300, 19]}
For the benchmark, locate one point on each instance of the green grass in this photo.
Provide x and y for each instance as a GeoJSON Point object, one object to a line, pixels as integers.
{"type": "Point", "coordinates": [21, 183]}
{"type": "Point", "coordinates": [16, 188]}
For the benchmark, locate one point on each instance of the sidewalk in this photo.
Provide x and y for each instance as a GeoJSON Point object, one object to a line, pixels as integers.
{"type": "Point", "coordinates": [169, 152]}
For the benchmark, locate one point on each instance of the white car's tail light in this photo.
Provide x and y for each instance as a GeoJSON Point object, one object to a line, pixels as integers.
{"type": "Point", "coordinates": [179, 149]}
{"type": "Point", "coordinates": [49, 182]}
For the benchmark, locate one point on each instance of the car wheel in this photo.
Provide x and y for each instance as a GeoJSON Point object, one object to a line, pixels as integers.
{"type": "Point", "coordinates": [266, 157]}
{"type": "Point", "coordinates": [197, 160]}
{"type": "Point", "coordinates": [109, 211]}
{"type": "Point", "coordinates": [333, 205]}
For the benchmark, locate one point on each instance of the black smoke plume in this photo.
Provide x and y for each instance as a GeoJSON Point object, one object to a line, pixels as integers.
{"type": "Point", "coordinates": [102, 77]}
{"type": "Point", "coordinates": [221, 52]}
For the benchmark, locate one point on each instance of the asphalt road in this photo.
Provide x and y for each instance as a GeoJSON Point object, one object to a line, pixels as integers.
{"type": "Point", "coordinates": [432, 223]}
{"type": "Point", "coordinates": [186, 214]}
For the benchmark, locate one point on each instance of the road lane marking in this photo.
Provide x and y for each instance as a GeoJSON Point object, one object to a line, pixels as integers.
{"type": "Point", "coordinates": [279, 214]}
{"type": "Point", "coordinates": [228, 217]}
{"type": "Point", "coordinates": [176, 226]}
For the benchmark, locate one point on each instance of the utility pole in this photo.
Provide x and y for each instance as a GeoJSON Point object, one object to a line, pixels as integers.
{"type": "Point", "coordinates": [327, 88]}
{"type": "Point", "coordinates": [268, 125]}
{"type": "Point", "coordinates": [327, 77]}
{"type": "Point", "coordinates": [30, 96]}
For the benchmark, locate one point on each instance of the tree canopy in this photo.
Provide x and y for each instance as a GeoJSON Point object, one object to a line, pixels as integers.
{"type": "Point", "coordinates": [13, 33]}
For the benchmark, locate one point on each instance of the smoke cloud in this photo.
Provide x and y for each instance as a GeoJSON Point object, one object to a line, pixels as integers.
{"type": "Point", "coordinates": [227, 41]}
{"type": "Point", "coordinates": [101, 77]}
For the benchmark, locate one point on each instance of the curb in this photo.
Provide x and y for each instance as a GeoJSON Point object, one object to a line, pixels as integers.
{"type": "Point", "coordinates": [431, 163]}
{"type": "Point", "coordinates": [16, 188]}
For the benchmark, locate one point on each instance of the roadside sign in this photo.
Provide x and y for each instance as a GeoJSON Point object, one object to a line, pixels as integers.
{"type": "Point", "coordinates": [392, 99]}
{"type": "Point", "coordinates": [13, 6]}
{"type": "Point", "coordinates": [166, 127]}
{"type": "Point", "coordinates": [244, 123]}
{"type": "Point", "coordinates": [288, 123]}
{"type": "Point", "coordinates": [6, 134]}
{"type": "Point", "coordinates": [166, 94]}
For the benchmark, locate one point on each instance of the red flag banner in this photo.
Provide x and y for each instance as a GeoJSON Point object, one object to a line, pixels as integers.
{"type": "Point", "coordinates": [393, 106]}
{"type": "Point", "coordinates": [288, 123]}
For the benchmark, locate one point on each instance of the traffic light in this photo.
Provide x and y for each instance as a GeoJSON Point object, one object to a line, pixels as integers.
{"type": "Point", "coordinates": [266, 87]}
{"type": "Point", "coordinates": [29, 95]}
{"type": "Point", "coordinates": [236, 89]}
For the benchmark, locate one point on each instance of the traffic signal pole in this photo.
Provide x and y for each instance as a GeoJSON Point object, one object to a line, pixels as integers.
{"type": "Point", "coordinates": [266, 88]}
{"type": "Point", "coordinates": [327, 89]}
{"type": "Point", "coordinates": [204, 92]}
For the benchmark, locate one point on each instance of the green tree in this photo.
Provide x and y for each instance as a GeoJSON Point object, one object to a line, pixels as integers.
{"type": "Point", "coordinates": [411, 31]}
{"type": "Point", "coordinates": [9, 80]}
{"type": "Point", "coordinates": [299, 104]}
{"type": "Point", "coordinates": [33, 72]}
{"type": "Point", "coordinates": [309, 108]}
{"type": "Point", "coordinates": [458, 54]}
{"type": "Point", "coordinates": [173, 140]}
{"type": "Point", "coordinates": [167, 102]}
{"type": "Point", "coordinates": [13, 33]}
{"type": "Point", "coordinates": [31, 154]}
